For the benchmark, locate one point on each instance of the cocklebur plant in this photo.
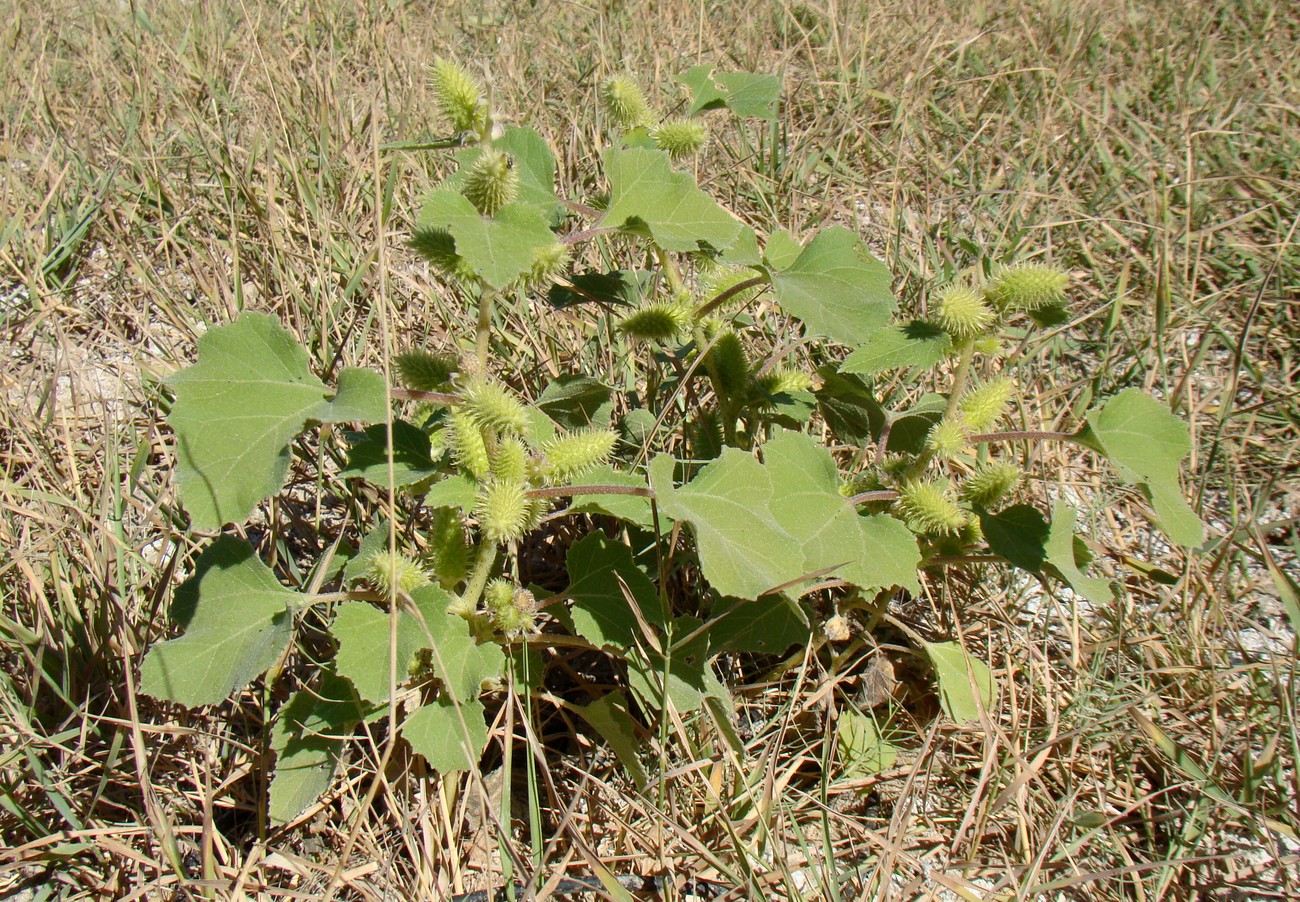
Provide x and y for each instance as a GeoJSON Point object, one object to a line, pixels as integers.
{"type": "Point", "coordinates": [715, 438]}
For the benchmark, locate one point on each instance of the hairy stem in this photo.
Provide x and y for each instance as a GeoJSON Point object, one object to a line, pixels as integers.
{"type": "Point", "coordinates": [487, 556]}
{"type": "Point", "coordinates": [483, 335]}
{"type": "Point", "coordinates": [1028, 435]}
{"type": "Point", "coordinates": [959, 377]}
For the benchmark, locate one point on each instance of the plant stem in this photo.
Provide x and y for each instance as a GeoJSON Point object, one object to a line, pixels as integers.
{"type": "Point", "coordinates": [959, 377]}
{"type": "Point", "coordinates": [1030, 435]}
{"type": "Point", "coordinates": [729, 294]}
{"type": "Point", "coordinates": [487, 556]}
{"type": "Point", "coordinates": [483, 335]}
{"type": "Point", "coordinates": [671, 272]}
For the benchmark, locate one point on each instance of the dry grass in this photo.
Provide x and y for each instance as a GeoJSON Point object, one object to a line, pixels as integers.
{"type": "Point", "coordinates": [168, 166]}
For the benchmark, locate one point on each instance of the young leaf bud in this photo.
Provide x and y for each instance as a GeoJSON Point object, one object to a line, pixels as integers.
{"type": "Point", "coordinates": [984, 405]}
{"type": "Point", "coordinates": [458, 95]}
{"type": "Point", "coordinates": [502, 511]}
{"type": "Point", "coordinates": [947, 438]}
{"type": "Point", "coordinates": [990, 484]}
{"type": "Point", "coordinates": [1027, 286]}
{"type": "Point", "coordinates": [576, 453]}
{"type": "Point", "coordinates": [492, 182]}
{"type": "Point", "coordinates": [465, 439]}
{"type": "Point", "coordinates": [624, 102]}
{"type": "Point", "coordinates": [728, 365]}
{"type": "Point", "coordinates": [681, 138]}
{"type": "Point", "coordinates": [393, 573]}
{"type": "Point", "coordinates": [962, 312]}
{"type": "Point", "coordinates": [493, 406]}
{"type": "Point", "coordinates": [424, 371]}
{"type": "Point", "coordinates": [929, 508]}
{"type": "Point", "coordinates": [658, 321]}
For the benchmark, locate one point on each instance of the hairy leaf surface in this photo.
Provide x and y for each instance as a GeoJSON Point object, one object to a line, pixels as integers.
{"type": "Point", "coordinates": [836, 288]}
{"type": "Point", "coordinates": [449, 735]}
{"type": "Point", "coordinates": [237, 619]}
{"type": "Point", "coordinates": [862, 749]}
{"type": "Point", "coordinates": [308, 738]}
{"type": "Point", "coordinates": [499, 249]}
{"type": "Point", "coordinates": [965, 682]}
{"type": "Point", "coordinates": [362, 633]}
{"type": "Point", "coordinates": [1145, 442]}
{"type": "Point", "coordinates": [760, 526]}
{"type": "Point", "coordinates": [368, 456]}
{"type": "Point", "coordinates": [645, 191]}
{"type": "Point", "coordinates": [1062, 551]}
{"type": "Point", "coordinates": [748, 95]}
{"type": "Point", "coordinates": [909, 344]}
{"type": "Point", "coordinates": [599, 570]}
{"type": "Point", "coordinates": [238, 407]}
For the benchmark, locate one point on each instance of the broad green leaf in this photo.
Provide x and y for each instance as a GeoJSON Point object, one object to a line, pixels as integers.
{"type": "Point", "coordinates": [361, 397]}
{"type": "Point", "coordinates": [459, 491]}
{"type": "Point", "coordinates": [462, 664]}
{"type": "Point", "coordinates": [781, 250]}
{"type": "Point", "coordinates": [965, 682]}
{"type": "Point", "coordinates": [760, 526]}
{"type": "Point", "coordinates": [836, 288]}
{"type": "Point", "coordinates": [862, 748]}
{"type": "Point", "coordinates": [536, 167]}
{"type": "Point", "coordinates": [610, 718]}
{"type": "Point", "coordinates": [236, 411]}
{"type": "Point", "coordinates": [749, 96]}
{"type": "Point", "coordinates": [1018, 533]}
{"type": "Point", "coordinates": [744, 252]}
{"type": "Point", "coordinates": [361, 630]}
{"type": "Point", "coordinates": [911, 344]}
{"type": "Point", "coordinates": [599, 568]}
{"type": "Point", "coordinates": [576, 401]}
{"type": "Point", "coordinates": [412, 459]}
{"type": "Point", "coordinates": [448, 734]}
{"type": "Point", "coordinates": [238, 621]}
{"type": "Point", "coordinates": [499, 249]}
{"type": "Point", "coordinates": [632, 508]}
{"type": "Point", "coordinates": [849, 407]}
{"type": "Point", "coordinates": [645, 192]}
{"type": "Point", "coordinates": [308, 737]}
{"type": "Point", "coordinates": [638, 425]}
{"type": "Point", "coordinates": [769, 625]}
{"type": "Point", "coordinates": [1145, 442]}
{"type": "Point", "coordinates": [541, 428]}
{"type": "Point", "coordinates": [1062, 554]}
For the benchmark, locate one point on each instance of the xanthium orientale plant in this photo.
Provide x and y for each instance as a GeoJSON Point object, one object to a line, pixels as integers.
{"type": "Point", "coordinates": [715, 436]}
